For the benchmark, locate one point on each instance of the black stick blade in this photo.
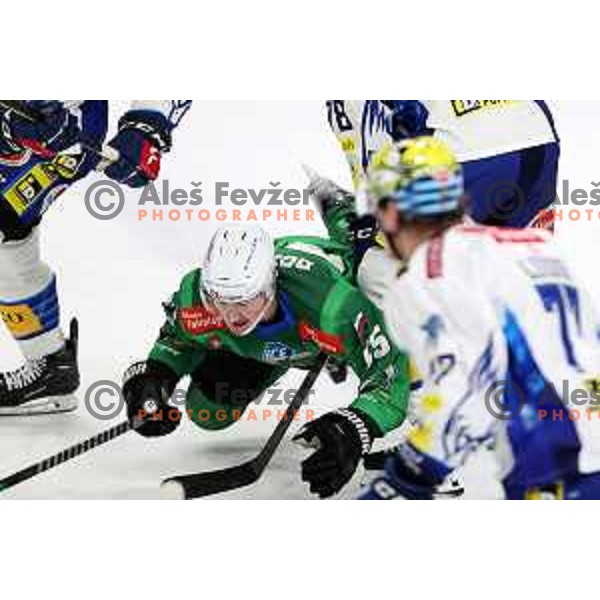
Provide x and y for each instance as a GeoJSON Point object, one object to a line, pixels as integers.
{"type": "Point", "coordinates": [187, 487]}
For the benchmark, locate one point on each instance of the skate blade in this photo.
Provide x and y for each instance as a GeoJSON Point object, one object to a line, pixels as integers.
{"type": "Point", "coordinates": [41, 406]}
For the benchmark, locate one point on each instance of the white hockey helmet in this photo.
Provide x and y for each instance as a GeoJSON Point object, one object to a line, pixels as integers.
{"type": "Point", "coordinates": [239, 266]}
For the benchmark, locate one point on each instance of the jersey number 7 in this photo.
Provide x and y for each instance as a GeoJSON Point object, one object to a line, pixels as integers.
{"type": "Point", "coordinates": [563, 300]}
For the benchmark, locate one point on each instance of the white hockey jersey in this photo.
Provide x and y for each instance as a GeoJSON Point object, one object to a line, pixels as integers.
{"type": "Point", "coordinates": [508, 344]}
{"type": "Point", "coordinates": [474, 129]}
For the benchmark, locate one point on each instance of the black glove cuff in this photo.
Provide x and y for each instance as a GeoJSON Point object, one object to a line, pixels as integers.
{"type": "Point", "coordinates": [361, 426]}
{"type": "Point", "coordinates": [157, 371]}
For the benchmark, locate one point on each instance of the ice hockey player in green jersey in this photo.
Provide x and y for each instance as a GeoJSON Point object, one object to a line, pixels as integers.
{"type": "Point", "coordinates": [255, 309]}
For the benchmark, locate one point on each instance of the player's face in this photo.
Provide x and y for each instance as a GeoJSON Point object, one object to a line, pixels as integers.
{"type": "Point", "coordinates": [242, 317]}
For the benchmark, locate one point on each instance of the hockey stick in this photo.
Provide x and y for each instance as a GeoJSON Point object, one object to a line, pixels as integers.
{"type": "Point", "coordinates": [207, 483]}
{"type": "Point", "coordinates": [107, 154]}
{"type": "Point", "coordinates": [64, 456]}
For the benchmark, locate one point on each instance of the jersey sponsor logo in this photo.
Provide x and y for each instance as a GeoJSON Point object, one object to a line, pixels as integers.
{"type": "Point", "coordinates": [28, 189]}
{"type": "Point", "coordinates": [277, 352]}
{"type": "Point", "coordinates": [198, 320]}
{"type": "Point", "coordinates": [435, 263]}
{"type": "Point", "coordinates": [20, 320]}
{"type": "Point", "coordinates": [327, 342]}
{"type": "Point", "coordinates": [65, 165]}
{"type": "Point", "coordinates": [466, 107]}
{"type": "Point", "coordinates": [38, 181]}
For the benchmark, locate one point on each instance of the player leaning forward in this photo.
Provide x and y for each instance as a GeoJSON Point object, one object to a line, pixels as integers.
{"type": "Point", "coordinates": [503, 333]}
{"type": "Point", "coordinates": [255, 310]}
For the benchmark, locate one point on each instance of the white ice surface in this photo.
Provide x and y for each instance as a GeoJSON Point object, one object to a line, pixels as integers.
{"type": "Point", "coordinates": [114, 275]}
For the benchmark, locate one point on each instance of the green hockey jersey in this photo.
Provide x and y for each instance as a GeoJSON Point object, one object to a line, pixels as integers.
{"type": "Point", "coordinates": [319, 311]}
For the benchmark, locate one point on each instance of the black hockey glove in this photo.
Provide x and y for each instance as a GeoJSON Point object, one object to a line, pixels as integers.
{"type": "Point", "coordinates": [56, 129]}
{"type": "Point", "coordinates": [143, 137]}
{"type": "Point", "coordinates": [147, 387]}
{"type": "Point", "coordinates": [341, 438]}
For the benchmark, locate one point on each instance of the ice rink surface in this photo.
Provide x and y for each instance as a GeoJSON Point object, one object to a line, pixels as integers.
{"type": "Point", "coordinates": [113, 275]}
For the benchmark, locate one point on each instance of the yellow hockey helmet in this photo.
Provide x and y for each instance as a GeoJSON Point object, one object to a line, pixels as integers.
{"type": "Point", "coordinates": [420, 175]}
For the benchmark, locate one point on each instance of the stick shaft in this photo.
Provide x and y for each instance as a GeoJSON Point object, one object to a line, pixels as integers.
{"type": "Point", "coordinates": [208, 483]}
{"type": "Point", "coordinates": [273, 442]}
{"type": "Point", "coordinates": [64, 456]}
